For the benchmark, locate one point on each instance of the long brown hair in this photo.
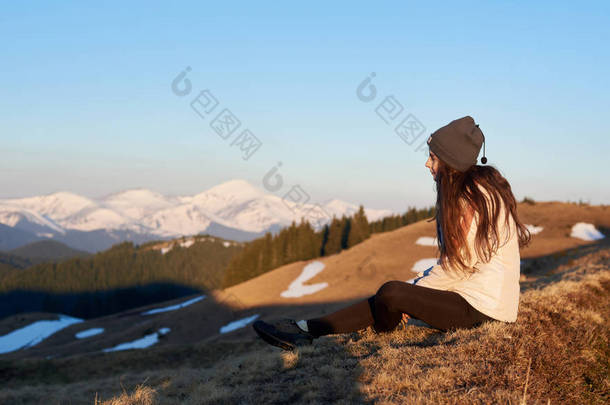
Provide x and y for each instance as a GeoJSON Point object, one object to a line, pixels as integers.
{"type": "Point", "coordinates": [457, 191]}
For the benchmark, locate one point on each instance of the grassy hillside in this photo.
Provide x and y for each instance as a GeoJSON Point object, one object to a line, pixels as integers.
{"type": "Point", "coordinates": [300, 242]}
{"type": "Point", "coordinates": [561, 336]}
{"type": "Point", "coordinates": [556, 352]}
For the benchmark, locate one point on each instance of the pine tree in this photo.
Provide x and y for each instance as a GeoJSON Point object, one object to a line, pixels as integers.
{"type": "Point", "coordinates": [360, 229]}
{"type": "Point", "coordinates": [333, 245]}
{"type": "Point", "coordinates": [346, 225]}
{"type": "Point", "coordinates": [325, 234]}
{"type": "Point", "coordinates": [267, 253]}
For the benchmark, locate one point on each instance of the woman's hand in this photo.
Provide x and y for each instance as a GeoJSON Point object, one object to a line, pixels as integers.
{"type": "Point", "coordinates": [405, 317]}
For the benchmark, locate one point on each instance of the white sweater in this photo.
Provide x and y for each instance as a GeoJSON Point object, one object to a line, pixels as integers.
{"type": "Point", "coordinates": [494, 288]}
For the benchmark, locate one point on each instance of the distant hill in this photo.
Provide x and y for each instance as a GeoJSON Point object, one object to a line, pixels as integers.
{"type": "Point", "coordinates": [47, 251]}
{"type": "Point", "coordinates": [11, 237]}
{"type": "Point", "coordinates": [122, 277]}
{"type": "Point", "coordinates": [10, 261]}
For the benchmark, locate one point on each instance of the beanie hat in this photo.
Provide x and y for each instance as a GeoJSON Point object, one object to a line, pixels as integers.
{"type": "Point", "coordinates": [458, 143]}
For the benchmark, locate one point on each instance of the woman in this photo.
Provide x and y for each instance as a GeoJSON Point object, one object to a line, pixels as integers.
{"type": "Point", "coordinates": [479, 235]}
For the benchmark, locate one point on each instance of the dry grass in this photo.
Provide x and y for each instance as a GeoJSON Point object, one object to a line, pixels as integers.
{"type": "Point", "coordinates": [142, 395]}
{"type": "Point", "coordinates": [556, 352]}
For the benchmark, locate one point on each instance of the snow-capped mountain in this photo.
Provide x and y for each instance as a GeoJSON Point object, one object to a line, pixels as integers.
{"type": "Point", "coordinates": [233, 210]}
{"type": "Point", "coordinates": [56, 205]}
{"type": "Point", "coordinates": [138, 203]}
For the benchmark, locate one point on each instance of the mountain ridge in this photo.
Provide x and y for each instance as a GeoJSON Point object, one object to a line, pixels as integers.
{"type": "Point", "coordinates": [234, 209]}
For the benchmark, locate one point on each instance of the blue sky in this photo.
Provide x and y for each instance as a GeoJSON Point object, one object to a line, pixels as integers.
{"type": "Point", "coordinates": [87, 104]}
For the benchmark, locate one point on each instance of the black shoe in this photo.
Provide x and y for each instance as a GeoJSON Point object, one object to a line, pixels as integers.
{"type": "Point", "coordinates": [284, 333]}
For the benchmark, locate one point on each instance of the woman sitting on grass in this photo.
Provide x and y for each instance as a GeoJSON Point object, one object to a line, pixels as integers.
{"type": "Point", "coordinates": [479, 235]}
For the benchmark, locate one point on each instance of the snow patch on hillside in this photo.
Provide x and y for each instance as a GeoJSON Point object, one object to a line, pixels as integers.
{"type": "Point", "coordinates": [141, 343]}
{"type": "Point", "coordinates": [88, 333]}
{"type": "Point", "coordinates": [34, 333]}
{"type": "Point", "coordinates": [534, 229]}
{"type": "Point", "coordinates": [185, 244]}
{"type": "Point", "coordinates": [427, 241]}
{"type": "Point", "coordinates": [585, 231]}
{"type": "Point", "coordinates": [424, 264]}
{"type": "Point", "coordinates": [240, 323]}
{"type": "Point", "coordinates": [298, 289]}
{"type": "Point", "coordinates": [174, 307]}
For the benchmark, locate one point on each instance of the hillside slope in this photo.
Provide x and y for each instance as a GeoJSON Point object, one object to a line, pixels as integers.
{"type": "Point", "coordinates": [351, 275]}
{"type": "Point", "coordinates": [556, 352]}
{"type": "Point", "coordinates": [562, 329]}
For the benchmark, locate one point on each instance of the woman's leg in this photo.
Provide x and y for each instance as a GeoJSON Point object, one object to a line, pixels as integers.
{"type": "Point", "coordinates": [349, 319]}
{"type": "Point", "coordinates": [440, 309]}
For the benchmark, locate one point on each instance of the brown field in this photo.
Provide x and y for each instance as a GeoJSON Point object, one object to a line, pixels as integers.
{"type": "Point", "coordinates": [556, 352]}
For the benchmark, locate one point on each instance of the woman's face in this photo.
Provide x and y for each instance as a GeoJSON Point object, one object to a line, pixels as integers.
{"type": "Point", "coordinates": [432, 164]}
